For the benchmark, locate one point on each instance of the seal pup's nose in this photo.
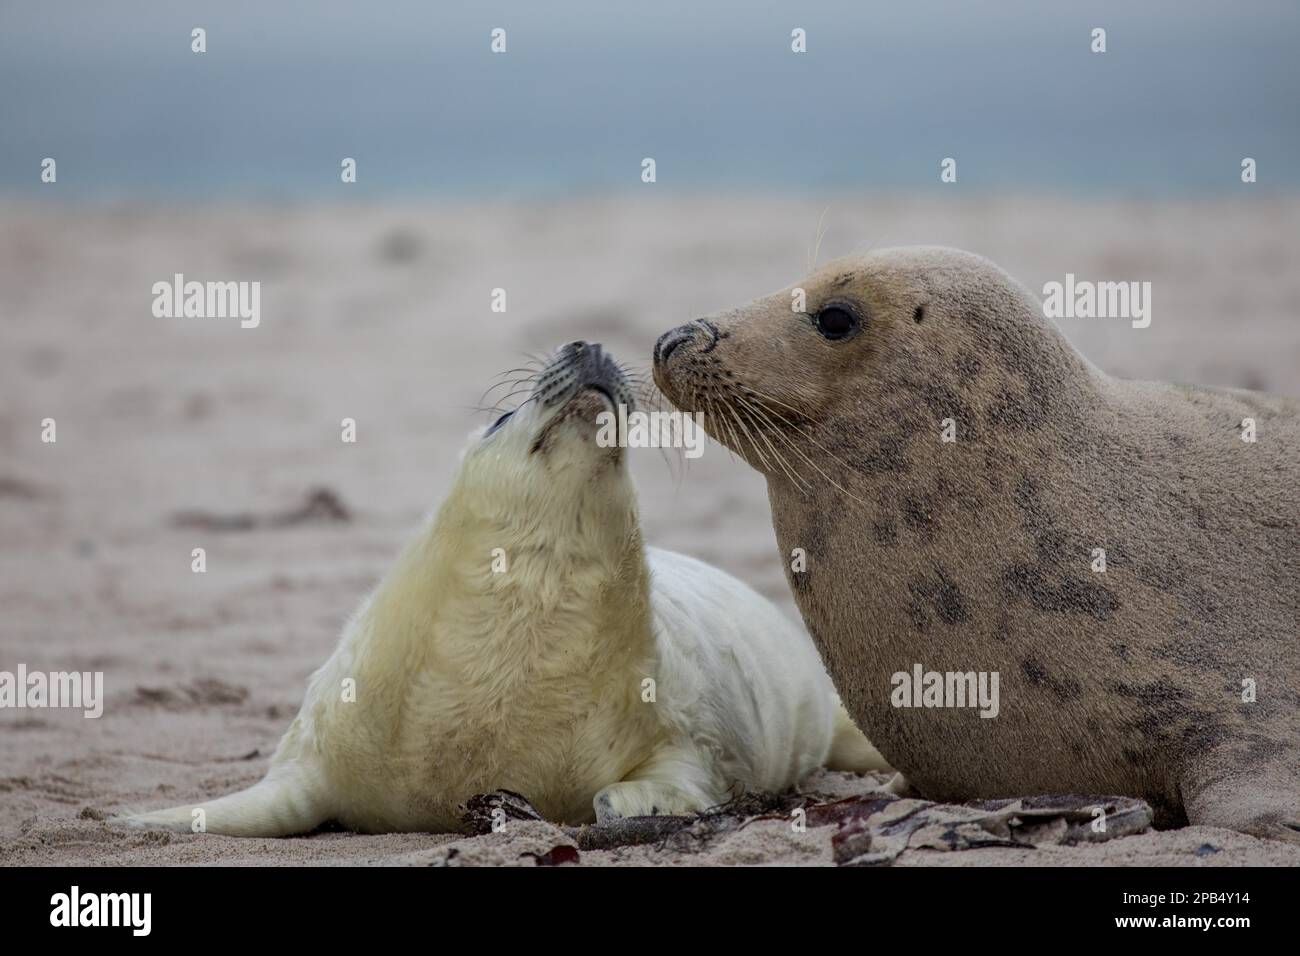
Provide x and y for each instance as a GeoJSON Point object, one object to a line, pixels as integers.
{"type": "Point", "coordinates": [581, 354]}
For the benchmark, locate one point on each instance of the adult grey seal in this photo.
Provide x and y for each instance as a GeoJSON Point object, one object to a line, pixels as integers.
{"type": "Point", "coordinates": [1173, 675]}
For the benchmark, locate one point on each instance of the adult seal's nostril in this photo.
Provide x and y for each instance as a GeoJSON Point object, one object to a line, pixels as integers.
{"type": "Point", "coordinates": [671, 340]}
{"type": "Point", "coordinates": [711, 331]}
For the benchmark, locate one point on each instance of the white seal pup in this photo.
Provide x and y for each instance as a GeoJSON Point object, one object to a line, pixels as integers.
{"type": "Point", "coordinates": [528, 640]}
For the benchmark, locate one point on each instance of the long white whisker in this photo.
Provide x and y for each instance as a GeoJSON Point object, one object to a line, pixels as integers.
{"type": "Point", "coordinates": [781, 459]}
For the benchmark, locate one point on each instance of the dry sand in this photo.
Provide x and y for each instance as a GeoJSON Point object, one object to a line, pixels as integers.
{"type": "Point", "coordinates": [381, 314]}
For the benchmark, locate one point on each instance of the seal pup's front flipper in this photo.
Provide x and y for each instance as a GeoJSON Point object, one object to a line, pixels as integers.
{"type": "Point", "coordinates": [646, 798]}
{"type": "Point", "coordinates": [679, 779]}
{"type": "Point", "coordinates": [286, 802]}
{"type": "Point", "coordinates": [850, 748]}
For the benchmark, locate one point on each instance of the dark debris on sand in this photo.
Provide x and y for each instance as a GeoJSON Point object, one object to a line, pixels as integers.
{"type": "Point", "coordinates": [871, 829]}
{"type": "Point", "coordinates": [319, 506]}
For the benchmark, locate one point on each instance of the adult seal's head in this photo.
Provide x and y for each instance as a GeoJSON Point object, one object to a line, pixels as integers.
{"type": "Point", "coordinates": [974, 497]}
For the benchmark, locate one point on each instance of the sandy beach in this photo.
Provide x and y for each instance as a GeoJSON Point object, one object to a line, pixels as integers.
{"type": "Point", "coordinates": [175, 434]}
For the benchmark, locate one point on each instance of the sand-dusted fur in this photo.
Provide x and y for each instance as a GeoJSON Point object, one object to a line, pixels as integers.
{"type": "Point", "coordinates": [525, 668]}
{"type": "Point", "coordinates": [977, 555]}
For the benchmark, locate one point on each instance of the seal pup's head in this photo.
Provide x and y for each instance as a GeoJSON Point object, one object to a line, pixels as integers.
{"type": "Point", "coordinates": [523, 607]}
{"type": "Point", "coordinates": [555, 462]}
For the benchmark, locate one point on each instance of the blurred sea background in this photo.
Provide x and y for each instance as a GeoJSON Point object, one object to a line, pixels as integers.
{"type": "Point", "coordinates": [587, 88]}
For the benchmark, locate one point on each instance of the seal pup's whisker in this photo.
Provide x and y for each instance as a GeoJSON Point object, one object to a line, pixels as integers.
{"type": "Point", "coordinates": [518, 391]}
{"type": "Point", "coordinates": [538, 360]}
{"type": "Point", "coordinates": [519, 386]}
{"type": "Point", "coordinates": [532, 372]}
{"type": "Point", "coordinates": [498, 409]}
{"type": "Point", "coordinates": [528, 376]}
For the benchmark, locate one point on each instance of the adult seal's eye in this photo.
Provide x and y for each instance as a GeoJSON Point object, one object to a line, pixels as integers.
{"type": "Point", "coordinates": [836, 322]}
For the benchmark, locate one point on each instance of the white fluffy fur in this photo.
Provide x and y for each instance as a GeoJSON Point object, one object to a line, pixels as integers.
{"type": "Point", "coordinates": [469, 680]}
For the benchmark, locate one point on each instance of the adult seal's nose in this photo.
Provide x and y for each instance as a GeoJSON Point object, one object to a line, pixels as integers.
{"type": "Point", "coordinates": [673, 339]}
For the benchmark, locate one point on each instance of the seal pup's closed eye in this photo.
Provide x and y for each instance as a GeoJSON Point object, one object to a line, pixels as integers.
{"type": "Point", "coordinates": [953, 469]}
{"type": "Point", "coordinates": [527, 640]}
